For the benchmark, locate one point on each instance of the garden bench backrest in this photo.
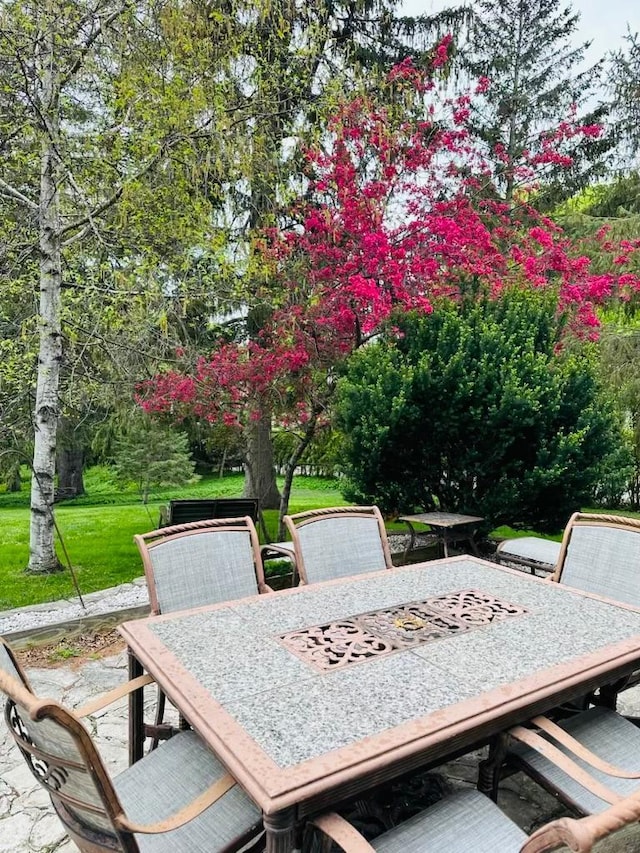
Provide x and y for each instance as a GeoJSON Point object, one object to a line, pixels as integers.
{"type": "Point", "coordinates": [199, 509]}
{"type": "Point", "coordinates": [600, 554]}
{"type": "Point", "coordinates": [204, 562]}
{"type": "Point", "coordinates": [338, 542]}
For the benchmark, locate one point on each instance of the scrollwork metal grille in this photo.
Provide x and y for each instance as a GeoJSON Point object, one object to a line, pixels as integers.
{"type": "Point", "coordinates": [382, 632]}
{"type": "Point", "coordinates": [53, 777]}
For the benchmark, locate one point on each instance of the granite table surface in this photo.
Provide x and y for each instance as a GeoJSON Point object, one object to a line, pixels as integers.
{"type": "Point", "coordinates": [298, 688]}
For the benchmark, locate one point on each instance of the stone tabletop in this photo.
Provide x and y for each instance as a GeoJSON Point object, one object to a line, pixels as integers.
{"type": "Point", "coordinates": [442, 519]}
{"type": "Point", "coordinates": [28, 823]}
{"type": "Point", "coordinates": [295, 711]}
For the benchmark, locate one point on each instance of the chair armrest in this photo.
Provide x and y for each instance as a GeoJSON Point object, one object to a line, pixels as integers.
{"type": "Point", "coordinates": [581, 751]}
{"type": "Point", "coordinates": [565, 832]}
{"type": "Point", "coordinates": [113, 695]}
{"type": "Point", "coordinates": [553, 754]}
{"type": "Point", "coordinates": [341, 831]}
{"type": "Point", "coordinates": [185, 814]}
{"type": "Point", "coordinates": [581, 834]}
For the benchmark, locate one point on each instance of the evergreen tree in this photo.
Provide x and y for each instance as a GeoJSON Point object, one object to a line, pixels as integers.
{"type": "Point", "coordinates": [624, 82]}
{"type": "Point", "coordinates": [152, 455]}
{"type": "Point", "coordinates": [473, 409]}
{"type": "Point", "coordinates": [524, 49]}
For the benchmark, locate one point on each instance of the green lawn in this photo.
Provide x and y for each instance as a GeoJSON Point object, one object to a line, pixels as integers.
{"type": "Point", "coordinates": [99, 537]}
{"type": "Point", "coordinates": [98, 532]}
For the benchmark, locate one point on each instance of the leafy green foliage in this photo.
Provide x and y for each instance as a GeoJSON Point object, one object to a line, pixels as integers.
{"type": "Point", "coordinates": [620, 367]}
{"type": "Point", "coordinates": [473, 410]}
{"type": "Point", "coordinates": [624, 79]}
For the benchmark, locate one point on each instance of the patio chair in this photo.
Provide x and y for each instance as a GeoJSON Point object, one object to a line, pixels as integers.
{"type": "Point", "coordinates": [202, 562]}
{"type": "Point", "coordinates": [600, 554]}
{"type": "Point", "coordinates": [588, 761]}
{"type": "Point", "coordinates": [466, 822]}
{"type": "Point", "coordinates": [191, 565]}
{"type": "Point", "coordinates": [177, 798]}
{"type": "Point", "coordinates": [338, 542]}
{"type": "Point", "coordinates": [532, 552]}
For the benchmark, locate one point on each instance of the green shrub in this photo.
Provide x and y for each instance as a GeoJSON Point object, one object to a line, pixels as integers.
{"type": "Point", "coordinates": [476, 409]}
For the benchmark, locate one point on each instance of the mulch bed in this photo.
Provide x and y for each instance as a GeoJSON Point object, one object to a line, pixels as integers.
{"type": "Point", "coordinates": [73, 652]}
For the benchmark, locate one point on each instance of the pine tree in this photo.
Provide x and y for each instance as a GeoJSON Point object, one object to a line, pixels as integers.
{"type": "Point", "coordinates": [624, 82]}
{"type": "Point", "coordinates": [524, 49]}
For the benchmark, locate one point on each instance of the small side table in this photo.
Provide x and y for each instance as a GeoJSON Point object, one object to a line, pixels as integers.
{"type": "Point", "coordinates": [449, 527]}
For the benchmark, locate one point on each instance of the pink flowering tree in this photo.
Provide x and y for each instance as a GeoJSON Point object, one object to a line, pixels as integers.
{"type": "Point", "coordinates": [400, 210]}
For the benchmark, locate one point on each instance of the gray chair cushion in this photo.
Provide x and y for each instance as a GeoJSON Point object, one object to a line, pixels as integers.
{"type": "Point", "coordinates": [604, 561]}
{"type": "Point", "coordinates": [170, 777]}
{"type": "Point", "coordinates": [465, 822]}
{"type": "Point", "coordinates": [529, 549]}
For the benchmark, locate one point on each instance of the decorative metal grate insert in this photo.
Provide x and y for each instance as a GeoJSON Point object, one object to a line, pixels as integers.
{"type": "Point", "coordinates": [381, 632]}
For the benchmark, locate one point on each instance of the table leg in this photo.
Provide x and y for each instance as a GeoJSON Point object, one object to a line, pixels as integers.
{"type": "Point", "coordinates": [489, 770]}
{"type": "Point", "coordinates": [412, 540]}
{"type": "Point", "coordinates": [280, 831]}
{"type": "Point", "coordinates": [136, 713]}
{"type": "Point", "coordinates": [472, 543]}
{"type": "Point", "coordinates": [445, 542]}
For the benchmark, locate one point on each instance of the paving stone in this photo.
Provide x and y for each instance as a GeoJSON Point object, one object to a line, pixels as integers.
{"type": "Point", "coordinates": [15, 830]}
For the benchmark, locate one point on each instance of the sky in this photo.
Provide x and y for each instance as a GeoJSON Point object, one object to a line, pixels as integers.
{"type": "Point", "coordinates": [603, 22]}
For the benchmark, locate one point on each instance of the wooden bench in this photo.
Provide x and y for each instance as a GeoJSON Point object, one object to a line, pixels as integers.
{"type": "Point", "coordinates": [533, 552]}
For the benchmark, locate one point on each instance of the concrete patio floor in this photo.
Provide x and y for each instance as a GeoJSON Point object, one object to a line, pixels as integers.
{"type": "Point", "coordinates": [29, 825]}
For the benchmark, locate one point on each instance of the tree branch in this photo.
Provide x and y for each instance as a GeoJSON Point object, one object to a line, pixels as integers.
{"type": "Point", "coordinates": [86, 222]}
{"type": "Point", "coordinates": [90, 41]}
{"type": "Point", "coordinates": [8, 190]}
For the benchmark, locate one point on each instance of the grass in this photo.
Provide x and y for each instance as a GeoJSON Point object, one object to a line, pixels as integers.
{"type": "Point", "coordinates": [98, 532]}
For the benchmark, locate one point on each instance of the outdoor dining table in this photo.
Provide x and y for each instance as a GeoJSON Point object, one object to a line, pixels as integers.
{"type": "Point", "coordinates": [314, 694]}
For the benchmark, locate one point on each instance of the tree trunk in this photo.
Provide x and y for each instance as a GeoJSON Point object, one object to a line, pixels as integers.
{"type": "Point", "coordinates": [12, 480]}
{"type": "Point", "coordinates": [69, 460]}
{"type": "Point", "coordinates": [260, 476]}
{"type": "Point", "coordinates": [42, 554]}
{"type": "Point", "coordinates": [290, 469]}
{"type": "Point", "coordinates": [69, 465]}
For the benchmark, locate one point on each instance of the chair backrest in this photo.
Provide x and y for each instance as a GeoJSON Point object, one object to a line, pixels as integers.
{"type": "Point", "coordinates": [184, 511]}
{"type": "Point", "coordinates": [338, 542]}
{"type": "Point", "coordinates": [205, 562]}
{"type": "Point", "coordinates": [62, 757]}
{"type": "Point", "coordinates": [601, 554]}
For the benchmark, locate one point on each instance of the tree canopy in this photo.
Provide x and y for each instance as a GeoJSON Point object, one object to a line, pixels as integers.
{"type": "Point", "coordinates": [395, 214]}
